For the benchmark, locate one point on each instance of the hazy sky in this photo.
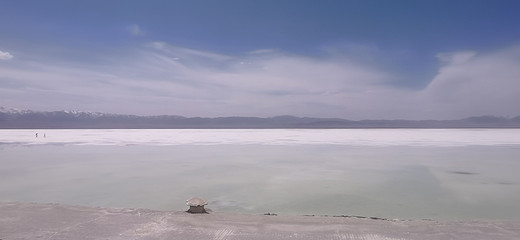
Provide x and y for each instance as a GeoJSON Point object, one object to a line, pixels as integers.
{"type": "Point", "coordinates": [351, 59]}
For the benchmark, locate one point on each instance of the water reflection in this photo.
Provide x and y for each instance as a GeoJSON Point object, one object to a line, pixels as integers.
{"type": "Point", "coordinates": [391, 182]}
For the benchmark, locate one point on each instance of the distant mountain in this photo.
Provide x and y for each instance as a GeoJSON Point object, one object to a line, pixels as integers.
{"type": "Point", "coordinates": [26, 119]}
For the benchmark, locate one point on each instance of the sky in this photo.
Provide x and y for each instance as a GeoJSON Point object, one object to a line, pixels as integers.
{"type": "Point", "coordinates": [366, 59]}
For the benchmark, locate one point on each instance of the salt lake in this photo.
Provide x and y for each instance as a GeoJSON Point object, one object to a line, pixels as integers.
{"type": "Point", "coordinates": [389, 173]}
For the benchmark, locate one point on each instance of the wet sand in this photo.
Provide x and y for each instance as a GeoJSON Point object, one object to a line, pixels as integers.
{"type": "Point", "coordinates": [55, 221]}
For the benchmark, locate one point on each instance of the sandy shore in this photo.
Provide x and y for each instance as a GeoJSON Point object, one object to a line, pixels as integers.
{"type": "Point", "coordinates": [55, 221]}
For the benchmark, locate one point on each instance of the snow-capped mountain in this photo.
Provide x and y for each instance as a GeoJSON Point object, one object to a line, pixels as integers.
{"type": "Point", "coordinates": [14, 118]}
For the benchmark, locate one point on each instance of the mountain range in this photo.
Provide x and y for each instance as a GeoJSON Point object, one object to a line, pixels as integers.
{"type": "Point", "coordinates": [27, 119]}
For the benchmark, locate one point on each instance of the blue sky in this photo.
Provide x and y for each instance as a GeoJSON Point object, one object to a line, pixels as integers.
{"type": "Point", "coordinates": [349, 59]}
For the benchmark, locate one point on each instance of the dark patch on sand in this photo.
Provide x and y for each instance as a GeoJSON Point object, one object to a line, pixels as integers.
{"type": "Point", "coordinates": [506, 183]}
{"type": "Point", "coordinates": [463, 173]}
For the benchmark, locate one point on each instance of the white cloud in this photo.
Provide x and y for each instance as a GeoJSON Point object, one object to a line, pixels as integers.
{"type": "Point", "coordinates": [196, 56]}
{"type": "Point", "coordinates": [135, 30]}
{"type": "Point", "coordinates": [167, 79]}
{"type": "Point", "coordinates": [5, 55]}
{"type": "Point", "coordinates": [262, 51]}
{"type": "Point", "coordinates": [477, 84]}
{"type": "Point", "coordinates": [456, 57]}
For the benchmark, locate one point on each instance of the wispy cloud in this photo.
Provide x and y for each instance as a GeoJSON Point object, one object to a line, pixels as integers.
{"type": "Point", "coordinates": [477, 84]}
{"type": "Point", "coordinates": [5, 55]}
{"type": "Point", "coordinates": [165, 79]}
{"type": "Point", "coordinates": [135, 30]}
{"type": "Point", "coordinates": [455, 57]}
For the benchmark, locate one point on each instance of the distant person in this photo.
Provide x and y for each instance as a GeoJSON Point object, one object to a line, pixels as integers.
{"type": "Point", "coordinates": [36, 134]}
{"type": "Point", "coordinates": [44, 135]}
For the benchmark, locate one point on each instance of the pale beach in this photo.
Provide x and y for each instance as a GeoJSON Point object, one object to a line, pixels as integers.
{"type": "Point", "coordinates": [53, 221]}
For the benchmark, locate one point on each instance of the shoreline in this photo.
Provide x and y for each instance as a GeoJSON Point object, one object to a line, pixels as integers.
{"type": "Point", "coordinates": [21, 220]}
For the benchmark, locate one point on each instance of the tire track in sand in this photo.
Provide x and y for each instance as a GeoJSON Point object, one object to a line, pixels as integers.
{"type": "Point", "coordinates": [351, 236]}
{"type": "Point", "coordinates": [223, 234]}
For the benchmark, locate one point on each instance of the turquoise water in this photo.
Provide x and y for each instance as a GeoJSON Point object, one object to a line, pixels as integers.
{"type": "Point", "coordinates": [405, 181]}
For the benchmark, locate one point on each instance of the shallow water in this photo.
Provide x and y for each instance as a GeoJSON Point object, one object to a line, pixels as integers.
{"type": "Point", "coordinates": [425, 174]}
